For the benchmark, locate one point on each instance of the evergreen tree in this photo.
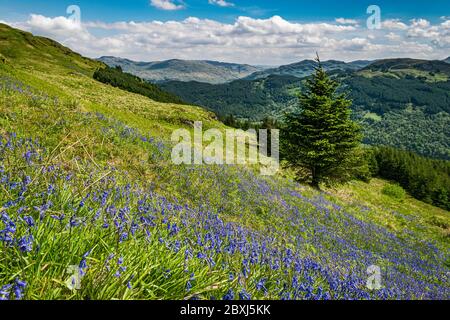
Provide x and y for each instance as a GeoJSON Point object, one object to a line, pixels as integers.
{"type": "Point", "coordinates": [319, 139]}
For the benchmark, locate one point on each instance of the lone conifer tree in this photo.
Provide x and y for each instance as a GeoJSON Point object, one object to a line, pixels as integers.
{"type": "Point", "coordinates": [320, 140]}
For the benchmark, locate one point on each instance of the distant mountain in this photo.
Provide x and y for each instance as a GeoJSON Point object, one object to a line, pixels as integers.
{"type": "Point", "coordinates": [183, 70]}
{"type": "Point", "coordinates": [306, 67]}
{"type": "Point", "coordinates": [447, 60]}
{"type": "Point", "coordinates": [405, 64]}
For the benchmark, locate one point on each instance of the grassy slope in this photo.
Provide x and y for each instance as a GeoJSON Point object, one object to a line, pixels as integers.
{"type": "Point", "coordinates": [268, 237]}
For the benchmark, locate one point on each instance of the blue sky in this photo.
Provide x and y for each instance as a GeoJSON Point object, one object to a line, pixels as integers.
{"type": "Point", "coordinates": [263, 32]}
{"type": "Point", "coordinates": [297, 10]}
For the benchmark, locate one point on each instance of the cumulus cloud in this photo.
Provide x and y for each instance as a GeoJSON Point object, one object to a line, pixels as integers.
{"type": "Point", "coordinates": [274, 40]}
{"type": "Point", "coordinates": [346, 21]}
{"type": "Point", "coordinates": [168, 5]}
{"type": "Point", "coordinates": [59, 27]}
{"type": "Point", "coordinates": [221, 3]}
{"type": "Point", "coordinates": [394, 24]}
{"type": "Point", "coordinates": [422, 31]}
{"type": "Point", "coordinates": [439, 35]}
{"type": "Point", "coordinates": [393, 36]}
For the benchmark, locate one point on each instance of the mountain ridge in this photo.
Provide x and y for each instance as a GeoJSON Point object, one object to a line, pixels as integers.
{"type": "Point", "coordinates": [182, 70]}
{"type": "Point", "coordinates": [435, 66]}
{"type": "Point", "coordinates": [306, 67]}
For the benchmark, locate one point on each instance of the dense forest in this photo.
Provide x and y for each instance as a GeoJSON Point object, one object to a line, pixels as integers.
{"type": "Point", "coordinates": [425, 179]}
{"type": "Point", "coordinates": [117, 78]}
{"type": "Point", "coordinates": [408, 129]}
{"type": "Point", "coordinates": [384, 94]}
{"type": "Point", "coordinates": [252, 100]}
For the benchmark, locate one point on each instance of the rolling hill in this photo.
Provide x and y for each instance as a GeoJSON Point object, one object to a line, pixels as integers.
{"type": "Point", "coordinates": [306, 67]}
{"type": "Point", "coordinates": [87, 182]}
{"type": "Point", "coordinates": [183, 70]}
{"type": "Point", "coordinates": [431, 70]}
{"type": "Point", "coordinates": [23, 49]}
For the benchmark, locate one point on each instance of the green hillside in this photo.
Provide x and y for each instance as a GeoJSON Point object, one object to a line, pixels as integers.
{"type": "Point", "coordinates": [87, 181]}
{"type": "Point", "coordinates": [401, 67]}
{"type": "Point", "coordinates": [38, 53]}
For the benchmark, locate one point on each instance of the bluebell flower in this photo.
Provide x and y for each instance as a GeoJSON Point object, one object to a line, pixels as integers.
{"type": "Point", "coordinates": [201, 255]}
{"type": "Point", "coordinates": [73, 222]}
{"type": "Point", "coordinates": [244, 295]}
{"type": "Point", "coordinates": [59, 218]}
{"type": "Point", "coordinates": [87, 253]}
{"type": "Point", "coordinates": [29, 221]}
{"type": "Point", "coordinates": [25, 243]}
{"type": "Point", "coordinates": [123, 237]}
{"type": "Point", "coordinates": [229, 295]}
{"type": "Point", "coordinates": [261, 285]}
{"type": "Point", "coordinates": [173, 229]}
{"type": "Point", "coordinates": [129, 285]}
{"type": "Point", "coordinates": [188, 286]}
{"type": "Point", "coordinates": [5, 292]}
{"type": "Point", "coordinates": [19, 288]}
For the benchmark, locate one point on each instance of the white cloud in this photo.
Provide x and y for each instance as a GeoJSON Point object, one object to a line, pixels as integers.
{"type": "Point", "coordinates": [248, 40]}
{"type": "Point", "coordinates": [439, 35]}
{"type": "Point", "coordinates": [393, 36]}
{"type": "Point", "coordinates": [57, 27]}
{"type": "Point", "coordinates": [221, 3]}
{"type": "Point", "coordinates": [346, 21]}
{"type": "Point", "coordinates": [169, 5]}
{"type": "Point", "coordinates": [420, 23]}
{"type": "Point", "coordinates": [394, 24]}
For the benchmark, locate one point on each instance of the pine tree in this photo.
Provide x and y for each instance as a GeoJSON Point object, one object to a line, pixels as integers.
{"type": "Point", "coordinates": [319, 138]}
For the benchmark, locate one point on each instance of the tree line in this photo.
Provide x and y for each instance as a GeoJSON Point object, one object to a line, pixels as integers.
{"type": "Point", "coordinates": [117, 78]}
{"type": "Point", "coordinates": [425, 179]}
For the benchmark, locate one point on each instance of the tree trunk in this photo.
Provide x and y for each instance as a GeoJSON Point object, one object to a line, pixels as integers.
{"type": "Point", "coordinates": [315, 185]}
{"type": "Point", "coordinates": [315, 180]}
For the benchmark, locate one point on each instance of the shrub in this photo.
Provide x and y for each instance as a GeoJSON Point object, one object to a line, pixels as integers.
{"type": "Point", "coordinates": [394, 191]}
